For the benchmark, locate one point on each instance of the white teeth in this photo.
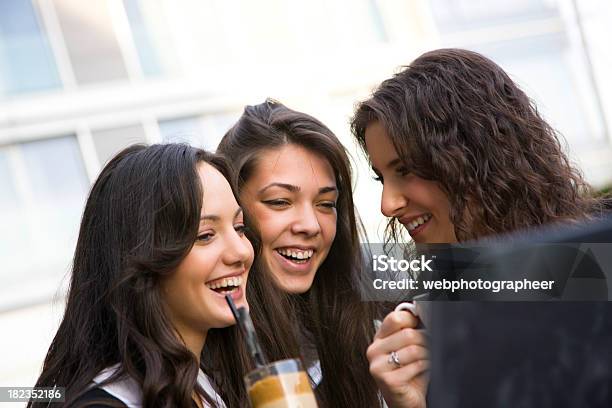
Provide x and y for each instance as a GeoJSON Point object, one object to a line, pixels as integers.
{"type": "Point", "coordinates": [419, 221]}
{"type": "Point", "coordinates": [224, 283]}
{"type": "Point", "coordinates": [296, 254]}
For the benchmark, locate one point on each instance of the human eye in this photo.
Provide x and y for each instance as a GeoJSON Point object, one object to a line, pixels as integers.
{"type": "Point", "coordinates": [402, 170]}
{"type": "Point", "coordinates": [328, 204]}
{"type": "Point", "coordinates": [276, 203]}
{"type": "Point", "coordinates": [378, 177]}
{"type": "Point", "coordinates": [240, 228]}
{"type": "Point", "coordinates": [205, 237]}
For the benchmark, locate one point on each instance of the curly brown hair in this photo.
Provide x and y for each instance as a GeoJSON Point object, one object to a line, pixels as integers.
{"type": "Point", "coordinates": [455, 117]}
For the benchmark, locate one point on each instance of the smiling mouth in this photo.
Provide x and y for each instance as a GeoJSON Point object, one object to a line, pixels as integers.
{"type": "Point", "coordinates": [415, 224]}
{"type": "Point", "coordinates": [295, 255]}
{"type": "Point", "coordinates": [225, 286]}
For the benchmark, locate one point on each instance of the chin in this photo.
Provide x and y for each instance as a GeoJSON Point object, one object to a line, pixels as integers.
{"type": "Point", "coordinates": [222, 316]}
{"type": "Point", "coordinates": [225, 321]}
{"type": "Point", "coordinates": [296, 286]}
{"type": "Point", "coordinates": [241, 302]}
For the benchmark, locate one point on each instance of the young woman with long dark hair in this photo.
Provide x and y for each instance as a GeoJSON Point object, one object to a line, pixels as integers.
{"type": "Point", "coordinates": [462, 153]}
{"type": "Point", "coordinates": [294, 180]}
{"type": "Point", "coordinates": [161, 241]}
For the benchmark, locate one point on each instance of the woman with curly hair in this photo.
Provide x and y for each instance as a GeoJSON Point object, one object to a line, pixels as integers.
{"type": "Point", "coordinates": [462, 154]}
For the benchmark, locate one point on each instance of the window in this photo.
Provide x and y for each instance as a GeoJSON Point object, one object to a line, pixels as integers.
{"type": "Point", "coordinates": [26, 60]}
{"type": "Point", "coordinates": [202, 131]}
{"type": "Point", "coordinates": [109, 142]}
{"type": "Point", "coordinates": [453, 15]}
{"type": "Point", "coordinates": [91, 41]}
{"type": "Point", "coordinates": [43, 185]}
{"type": "Point", "coordinates": [151, 38]}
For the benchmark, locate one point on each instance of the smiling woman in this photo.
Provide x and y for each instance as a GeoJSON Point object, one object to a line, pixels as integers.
{"type": "Point", "coordinates": [419, 204]}
{"type": "Point", "coordinates": [217, 264]}
{"type": "Point", "coordinates": [161, 242]}
{"type": "Point", "coordinates": [456, 140]}
{"type": "Point", "coordinates": [294, 180]}
{"type": "Point", "coordinates": [293, 194]}
{"type": "Point", "coordinates": [462, 154]}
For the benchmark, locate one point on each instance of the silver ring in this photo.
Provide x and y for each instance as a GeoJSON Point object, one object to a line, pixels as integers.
{"type": "Point", "coordinates": [394, 359]}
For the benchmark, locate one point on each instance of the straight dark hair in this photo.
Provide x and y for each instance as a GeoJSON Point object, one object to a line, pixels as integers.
{"type": "Point", "coordinates": [140, 221]}
{"type": "Point", "coordinates": [339, 324]}
{"type": "Point", "coordinates": [455, 117]}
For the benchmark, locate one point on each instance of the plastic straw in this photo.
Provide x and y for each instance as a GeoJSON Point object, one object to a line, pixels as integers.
{"type": "Point", "coordinates": [246, 325]}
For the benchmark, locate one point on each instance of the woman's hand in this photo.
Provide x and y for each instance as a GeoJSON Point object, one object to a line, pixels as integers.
{"type": "Point", "coordinates": [399, 360]}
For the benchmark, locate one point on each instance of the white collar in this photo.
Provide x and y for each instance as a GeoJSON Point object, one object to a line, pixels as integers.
{"type": "Point", "coordinates": [128, 391]}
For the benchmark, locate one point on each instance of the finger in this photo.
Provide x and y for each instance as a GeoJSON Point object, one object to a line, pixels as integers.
{"type": "Point", "coordinates": [402, 338]}
{"type": "Point", "coordinates": [396, 321]}
{"type": "Point", "coordinates": [404, 375]}
{"type": "Point", "coordinates": [406, 356]}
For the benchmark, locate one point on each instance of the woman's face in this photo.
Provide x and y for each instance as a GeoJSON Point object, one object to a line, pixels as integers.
{"type": "Point", "coordinates": [291, 197]}
{"type": "Point", "coordinates": [419, 204]}
{"type": "Point", "coordinates": [217, 264]}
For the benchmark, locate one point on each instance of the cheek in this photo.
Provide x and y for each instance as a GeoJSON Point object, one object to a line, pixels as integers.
{"type": "Point", "coordinates": [427, 194]}
{"type": "Point", "coordinates": [251, 253]}
{"type": "Point", "coordinates": [197, 266]}
{"type": "Point", "coordinates": [328, 225]}
{"type": "Point", "coordinates": [442, 202]}
{"type": "Point", "coordinates": [271, 225]}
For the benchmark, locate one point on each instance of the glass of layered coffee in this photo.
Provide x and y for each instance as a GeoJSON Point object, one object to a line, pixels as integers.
{"type": "Point", "coordinates": [282, 384]}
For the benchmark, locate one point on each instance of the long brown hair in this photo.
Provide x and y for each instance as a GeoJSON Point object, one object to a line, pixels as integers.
{"type": "Point", "coordinates": [340, 324]}
{"type": "Point", "coordinates": [457, 118]}
{"type": "Point", "coordinates": [140, 221]}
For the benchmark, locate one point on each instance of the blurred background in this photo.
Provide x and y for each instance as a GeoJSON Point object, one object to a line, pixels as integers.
{"type": "Point", "coordinates": [80, 80]}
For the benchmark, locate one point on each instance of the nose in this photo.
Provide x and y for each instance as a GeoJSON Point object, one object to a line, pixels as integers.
{"type": "Point", "coordinates": [238, 251]}
{"type": "Point", "coordinates": [306, 222]}
{"type": "Point", "coordinates": [392, 200]}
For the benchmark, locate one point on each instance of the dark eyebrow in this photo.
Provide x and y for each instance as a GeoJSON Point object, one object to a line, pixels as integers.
{"type": "Point", "coordinates": [290, 187]}
{"type": "Point", "coordinates": [324, 190]}
{"type": "Point", "coordinates": [295, 189]}
{"type": "Point", "coordinates": [213, 217]}
{"type": "Point", "coordinates": [391, 164]}
{"type": "Point", "coordinates": [394, 162]}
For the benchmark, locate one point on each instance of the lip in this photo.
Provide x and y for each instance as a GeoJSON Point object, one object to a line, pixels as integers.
{"type": "Point", "coordinates": [235, 295]}
{"type": "Point", "coordinates": [407, 219]}
{"type": "Point", "coordinates": [291, 267]}
{"type": "Point", "coordinates": [300, 247]}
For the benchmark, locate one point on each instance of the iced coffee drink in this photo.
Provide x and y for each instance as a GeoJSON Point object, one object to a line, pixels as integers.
{"type": "Point", "coordinates": [282, 384]}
